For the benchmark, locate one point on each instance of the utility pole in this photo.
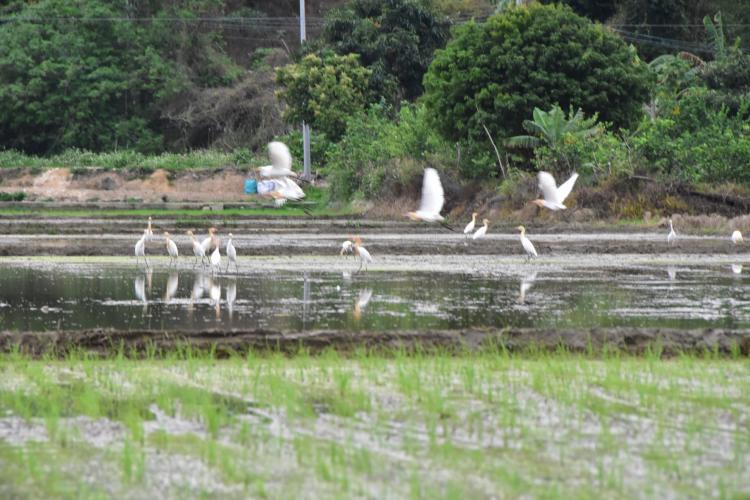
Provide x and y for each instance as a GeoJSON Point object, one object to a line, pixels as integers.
{"type": "Point", "coordinates": [306, 174]}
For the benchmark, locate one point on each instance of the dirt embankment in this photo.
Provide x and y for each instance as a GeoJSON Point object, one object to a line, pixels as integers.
{"type": "Point", "coordinates": [636, 341]}
{"type": "Point", "coordinates": [92, 185]}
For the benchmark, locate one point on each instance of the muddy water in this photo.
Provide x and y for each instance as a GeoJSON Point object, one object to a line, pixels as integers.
{"type": "Point", "coordinates": [36, 297]}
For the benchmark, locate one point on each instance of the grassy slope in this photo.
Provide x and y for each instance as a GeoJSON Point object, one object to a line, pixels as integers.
{"type": "Point", "coordinates": [437, 426]}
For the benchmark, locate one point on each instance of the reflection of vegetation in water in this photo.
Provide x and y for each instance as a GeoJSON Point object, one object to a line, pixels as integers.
{"type": "Point", "coordinates": [475, 425]}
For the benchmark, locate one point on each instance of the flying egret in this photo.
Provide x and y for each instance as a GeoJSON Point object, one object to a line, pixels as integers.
{"type": "Point", "coordinates": [346, 247]}
{"type": "Point", "coordinates": [231, 254]}
{"type": "Point", "coordinates": [737, 237]}
{"type": "Point", "coordinates": [361, 252]}
{"type": "Point", "coordinates": [198, 250]}
{"type": "Point", "coordinates": [140, 248]}
{"type": "Point", "coordinates": [171, 249]}
{"type": "Point", "coordinates": [281, 161]}
{"type": "Point", "coordinates": [672, 236]}
{"type": "Point", "coordinates": [206, 243]}
{"type": "Point", "coordinates": [481, 231]}
{"type": "Point", "coordinates": [285, 189]}
{"type": "Point", "coordinates": [433, 198]}
{"type": "Point", "coordinates": [527, 245]}
{"type": "Point", "coordinates": [470, 226]}
{"type": "Point", "coordinates": [554, 195]}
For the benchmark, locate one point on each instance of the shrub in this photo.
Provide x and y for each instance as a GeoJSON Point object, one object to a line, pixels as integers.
{"type": "Point", "coordinates": [495, 73]}
{"type": "Point", "coordinates": [378, 154]}
{"type": "Point", "coordinates": [324, 91]}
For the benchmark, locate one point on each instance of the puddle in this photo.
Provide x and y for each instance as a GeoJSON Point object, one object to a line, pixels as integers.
{"type": "Point", "coordinates": [37, 297]}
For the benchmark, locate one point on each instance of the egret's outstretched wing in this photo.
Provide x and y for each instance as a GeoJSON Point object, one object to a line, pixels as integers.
{"type": "Point", "coordinates": [281, 158]}
{"type": "Point", "coordinates": [564, 190]}
{"type": "Point", "coordinates": [289, 189]}
{"type": "Point", "coordinates": [549, 188]}
{"type": "Point", "coordinates": [433, 197]}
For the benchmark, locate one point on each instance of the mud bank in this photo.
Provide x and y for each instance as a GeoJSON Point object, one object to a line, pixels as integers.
{"type": "Point", "coordinates": [636, 341]}
{"type": "Point", "coordinates": [327, 241]}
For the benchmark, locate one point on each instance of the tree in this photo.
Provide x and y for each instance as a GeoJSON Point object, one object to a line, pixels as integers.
{"type": "Point", "coordinates": [495, 73]}
{"type": "Point", "coordinates": [394, 38]}
{"type": "Point", "coordinates": [324, 91]}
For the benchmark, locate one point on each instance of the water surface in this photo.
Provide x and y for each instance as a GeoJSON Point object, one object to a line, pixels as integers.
{"type": "Point", "coordinates": [38, 297]}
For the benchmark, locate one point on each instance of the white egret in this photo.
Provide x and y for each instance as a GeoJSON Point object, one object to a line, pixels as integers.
{"type": "Point", "coordinates": [281, 161]}
{"type": "Point", "coordinates": [206, 243]}
{"type": "Point", "coordinates": [285, 189]}
{"type": "Point", "coordinates": [216, 259]}
{"type": "Point", "coordinates": [470, 226]}
{"type": "Point", "coordinates": [171, 249]}
{"type": "Point", "coordinates": [737, 237]}
{"type": "Point", "coordinates": [140, 248]}
{"type": "Point", "coordinates": [737, 268]}
{"type": "Point", "coordinates": [361, 252]}
{"type": "Point", "coordinates": [231, 254]}
{"type": "Point", "coordinates": [346, 247]}
{"type": "Point", "coordinates": [171, 290]}
{"type": "Point", "coordinates": [554, 195]}
{"type": "Point", "coordinates": [527, 245]}
{"type": "Point", "coordinates": [672, 236]}
{"type": "Point", "coordinates": [481, 231]}
{"type": "Point", "coordinates": [433, 198]}
{"type": "Point", "coordinates": [149, 230]}
{"type": "Point", "coordinates": [198, 250]}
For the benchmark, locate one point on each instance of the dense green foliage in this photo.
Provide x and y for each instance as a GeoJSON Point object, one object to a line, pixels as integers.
{"type": "Point", "coordinates": [95, 75]}
{"type": "Point", "coordinates": [323, 91]}
{"type": "Point", "coordinates": [378, 155]}
{"type": "Point", "coordinates": [394, 38]}
{"type": "Point", "coordinates": [495, 73]}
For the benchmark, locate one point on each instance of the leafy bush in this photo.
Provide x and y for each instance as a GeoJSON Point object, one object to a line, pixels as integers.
{"type": "Point", "coordinates": [377, 154]}
{"type": "Point", "coordinates": [324, 91]}
{"type": "Point", "coordinates": [15, 196]}
{"type": "Point", "coordinates": [394, 38]}
{"type": "Point", "coordinates": [495, 73]}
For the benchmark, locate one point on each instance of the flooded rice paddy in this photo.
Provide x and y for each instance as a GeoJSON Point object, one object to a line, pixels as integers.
{"type": "Point", "coordinates": [404, 293]}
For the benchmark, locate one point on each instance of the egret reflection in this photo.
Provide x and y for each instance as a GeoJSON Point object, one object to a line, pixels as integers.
{"type": "Point", "coordinates": [140, 290]}
{"type": "Point", "coordinates": [171, 290]}
{"type": "Point", "coordinates": [362, 301]}
{"type": "Point", "coordinates": [231, 294]}
{"type": "Point", "coordinates": [526, 283]}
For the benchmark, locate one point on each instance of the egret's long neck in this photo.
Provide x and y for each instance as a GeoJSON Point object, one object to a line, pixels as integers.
{"type": "Point", "coordinates": [473, 217]}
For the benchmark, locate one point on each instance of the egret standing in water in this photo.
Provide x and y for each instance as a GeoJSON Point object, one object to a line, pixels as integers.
{"type": "Point", "coordinates": [672, 236]}
{"type": "Point", "coordinates": [554, 195]}
{"type": "Point", "coordinates": [216, 255]}
{"type": "Point", "coordinates": [361, 252]}
{"type": "Point", "coordinates": [149, 231]}
{"type": "Point", "coordinates": [481, 231]}
{"type": "Point", "coordinates": [346, 247]}
{"type": "Point", "coordinates": [140, 248]}
{"type": "Point", "coordinates": [198, 250]}
{"type": "Point", "coordinates": [527, 245]}
{"type": "Point", "coordinates": [206, 243]}
{"type": "Point", "coordinates": [737, 237]}
{"type": "Point", "coordinates": [470, 226]}
{"type": "Point", "coordinates": [171, 249]}
{"type": "Point", "coordinates": [231, 254]}
{"type": "Point", "coordinates": [433, 198]}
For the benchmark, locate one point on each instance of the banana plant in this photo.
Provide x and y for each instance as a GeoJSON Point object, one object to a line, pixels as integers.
{"type": "Point", "coordinates": [553, 128]}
